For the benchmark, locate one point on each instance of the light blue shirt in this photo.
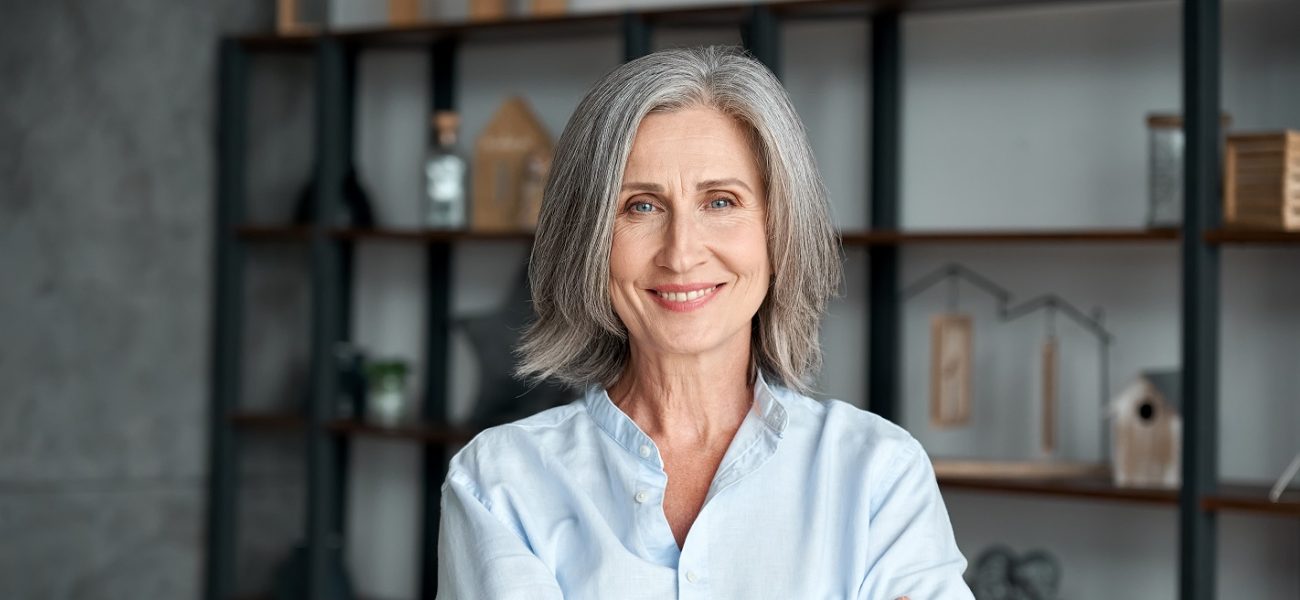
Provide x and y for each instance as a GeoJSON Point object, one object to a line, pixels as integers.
{"type": "Point", "coordinates": [812, 500]}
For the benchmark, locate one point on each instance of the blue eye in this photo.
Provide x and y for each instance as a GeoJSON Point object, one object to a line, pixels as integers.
{"type": "Point", "coordinates": [642, 207]}
{"type": "Point", "coordinates": [721, 203]}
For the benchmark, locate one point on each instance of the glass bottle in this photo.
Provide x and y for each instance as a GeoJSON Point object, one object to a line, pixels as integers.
{"type": "Point", "coordinates": [445, 172]}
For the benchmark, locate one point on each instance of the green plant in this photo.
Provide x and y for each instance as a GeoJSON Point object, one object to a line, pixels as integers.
{"type": "Point", "coordinates": [386, 373]}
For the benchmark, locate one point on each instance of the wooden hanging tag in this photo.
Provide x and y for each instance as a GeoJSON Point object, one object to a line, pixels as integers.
{"type": "Point", "coordinates": [1049, 395]}
{"type": "Point", "coordinates": [950, 369]}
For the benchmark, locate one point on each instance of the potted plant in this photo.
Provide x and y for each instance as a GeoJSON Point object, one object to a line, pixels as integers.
{"type": "Point", "coordinates": [387, 402]}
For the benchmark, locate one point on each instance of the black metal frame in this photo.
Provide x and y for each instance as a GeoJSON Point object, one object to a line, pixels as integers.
{"type": "Point", "coordinates": [883, 300]}
{"type": "Point", "coordinates": [227, 321]}
{"type": "Point", "coordinates": [1200, 309]}
{"type": "Point", "coordinates": [331, 261]}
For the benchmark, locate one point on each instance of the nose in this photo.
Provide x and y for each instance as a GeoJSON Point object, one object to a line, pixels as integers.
{"type": "Point", "coordinates": [682, 247]}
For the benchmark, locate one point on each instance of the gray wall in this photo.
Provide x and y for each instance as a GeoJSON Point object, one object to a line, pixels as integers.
{"type": "Point", "coordinates": [106, 190]}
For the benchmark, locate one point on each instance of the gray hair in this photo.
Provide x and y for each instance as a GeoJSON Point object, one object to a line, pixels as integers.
{"type": "Point", "coordinates": [577, 338]}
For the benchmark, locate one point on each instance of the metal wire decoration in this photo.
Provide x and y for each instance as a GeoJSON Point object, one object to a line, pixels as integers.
{"type": "Point", "coordinates": [954, 273]}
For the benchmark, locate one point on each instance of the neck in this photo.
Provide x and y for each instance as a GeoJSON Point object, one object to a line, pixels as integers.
{"type": "Point", "coordinates": [687, 400]}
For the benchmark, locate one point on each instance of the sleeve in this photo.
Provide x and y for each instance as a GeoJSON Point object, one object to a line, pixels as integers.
{"type": "Point", "coordinates": [911, 545]}
{"type": "Point", "coordinates": [480, 557]}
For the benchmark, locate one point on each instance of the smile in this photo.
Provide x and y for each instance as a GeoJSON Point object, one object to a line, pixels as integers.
{"type": "Point", "coordinates": [684, 300]}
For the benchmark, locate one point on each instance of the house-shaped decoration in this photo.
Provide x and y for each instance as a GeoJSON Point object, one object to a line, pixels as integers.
{"type": "Point", "coordinates": [511, 160]}
{"type": "Point", "coordinates": [1147, 431]}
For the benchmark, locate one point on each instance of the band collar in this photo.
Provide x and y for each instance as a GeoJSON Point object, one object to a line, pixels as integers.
{"type": "Point", "coordinates": [767, 407]}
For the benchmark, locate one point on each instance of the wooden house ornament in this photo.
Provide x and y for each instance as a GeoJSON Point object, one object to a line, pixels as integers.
{"type": "Point", "coordinates": [1147, 431]}
{"type": "Point", "coordinates": [511, 160]}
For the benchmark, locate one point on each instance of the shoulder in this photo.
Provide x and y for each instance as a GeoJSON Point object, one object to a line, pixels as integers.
{"type": "Point", "coordinates": [519, 446]}
{"type": "Point", "coordinates": [868, 438]}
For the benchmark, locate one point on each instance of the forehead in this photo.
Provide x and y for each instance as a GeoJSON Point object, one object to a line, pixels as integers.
{"type": "Point", "coordinates": [693, 140]}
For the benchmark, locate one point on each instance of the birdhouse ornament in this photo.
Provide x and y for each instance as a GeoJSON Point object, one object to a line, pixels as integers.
{"type": "Point", "coordinates": [1147, 431]}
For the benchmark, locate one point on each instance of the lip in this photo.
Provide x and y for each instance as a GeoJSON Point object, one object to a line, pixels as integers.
{"type": "Point", "coordinates": [688, 305]}
{"type": "Point", "coordinates": [681, 288]}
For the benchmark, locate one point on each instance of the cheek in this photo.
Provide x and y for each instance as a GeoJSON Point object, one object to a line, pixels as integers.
{"type": "Point", "coordinates": [627, 264]}
{"type": "Point", "coordinates": [749, 250]}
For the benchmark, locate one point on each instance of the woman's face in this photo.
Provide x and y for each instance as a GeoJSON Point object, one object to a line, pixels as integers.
{"type": "Point", "coordinates": [689, 265]}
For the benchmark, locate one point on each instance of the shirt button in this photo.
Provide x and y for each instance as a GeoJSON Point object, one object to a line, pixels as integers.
{"type": "Point", "coordinates": [692, 577]}
{"type": "Point", "coordinates": [645, 451]}
{"type": "Point", "coordinates": [641, 496]}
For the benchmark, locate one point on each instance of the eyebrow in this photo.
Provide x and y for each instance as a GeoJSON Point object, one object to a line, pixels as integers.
{"type": "Point", "coordinates": [703, 185]}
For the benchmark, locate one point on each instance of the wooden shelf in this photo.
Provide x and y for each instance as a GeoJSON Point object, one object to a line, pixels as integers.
{"type": "Point", "coordinates": [722, 14]}
{"type": "Point", "coordinates": [1252, 498]}
{"type": "Point", "coordinates": [1250, 236]}
{"type": "Point", "coordinates": [292, 233]}
{"type": "Point", "coordinates": [274, 233]}
{"type": "Point", "coordinates": [1085, 488]}
{"type": "Point", "coordinates": [427, 434]}
{"type": "Point", "coordinates": [284, 421]}
{"type": "Point", "coordinates": [428, 235]}
{"type": "Point", "coordinates": [1101, 236]}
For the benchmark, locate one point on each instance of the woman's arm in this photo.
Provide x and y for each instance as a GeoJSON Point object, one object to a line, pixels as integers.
{"type": "Point", "coordinates": [479, 557]}
{"type": "Point", "coordinates": [911, 543]}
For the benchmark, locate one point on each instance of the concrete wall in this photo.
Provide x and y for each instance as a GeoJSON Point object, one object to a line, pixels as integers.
{"type": "Point", "coordinates": [106, 203]}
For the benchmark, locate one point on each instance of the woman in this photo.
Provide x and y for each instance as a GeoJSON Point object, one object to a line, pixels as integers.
{"type": "Point", "coordinates": [683, 259]}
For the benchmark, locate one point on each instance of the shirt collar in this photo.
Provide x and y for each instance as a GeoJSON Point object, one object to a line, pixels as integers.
{"type": "Point", "coordinates": [767, 407]}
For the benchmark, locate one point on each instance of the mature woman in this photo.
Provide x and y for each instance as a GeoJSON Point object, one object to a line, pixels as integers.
{"type": "Point", "coordinates": [683, 259]}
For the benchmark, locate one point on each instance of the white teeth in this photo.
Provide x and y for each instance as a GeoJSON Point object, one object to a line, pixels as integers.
{"type": "Point", "coordinates": [685, 296]}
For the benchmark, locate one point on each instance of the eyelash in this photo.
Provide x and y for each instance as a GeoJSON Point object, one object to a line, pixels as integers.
{"type": "Point", "coordinates": [731, 202]}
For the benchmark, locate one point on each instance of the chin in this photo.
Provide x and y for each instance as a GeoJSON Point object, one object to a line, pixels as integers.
{"type": "Point", "coordinates": [686, 341]}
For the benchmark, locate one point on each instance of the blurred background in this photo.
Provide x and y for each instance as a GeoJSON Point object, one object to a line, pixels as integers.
{"type": "Point", "coordinates": [242, 325]}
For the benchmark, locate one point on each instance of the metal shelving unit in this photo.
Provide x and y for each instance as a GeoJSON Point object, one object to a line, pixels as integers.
{"type": "Point", "coordinates": [1199, 239]}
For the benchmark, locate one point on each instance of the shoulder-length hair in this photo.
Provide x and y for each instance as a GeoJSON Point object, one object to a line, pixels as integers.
{"type": "Point", "coordinates": [577, 338]}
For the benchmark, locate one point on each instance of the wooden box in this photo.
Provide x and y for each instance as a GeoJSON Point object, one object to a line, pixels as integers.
{"type": "Point", "coordinates": [1261, 181]}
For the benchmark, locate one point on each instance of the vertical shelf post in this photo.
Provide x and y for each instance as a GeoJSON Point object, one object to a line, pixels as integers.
{"type": "Point", "coordinates": [636, 36]}
{"type": "Point", "coordinates": [762, 37]}
{"type": "Point", "coordinates": [1200, 281]}
{"type": "Point", "coordinates": [883, 341]}
{"type": "Point", "coordinates": [326, 273]}
{"type": "Point", "coordinates": [227, 319]}
{"type": "Point", "coordinates": [343, 291]}
{"type": "Point", "coordinates": [437, 338]}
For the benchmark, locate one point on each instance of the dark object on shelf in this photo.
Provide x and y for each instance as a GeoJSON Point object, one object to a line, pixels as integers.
{"type": "Point", "coordinates": [356, 204]}
{"type": "Point", "coordinates": [998, 574]}
{"type": "Point", "coordinates": [350, 363]}
{"type": "Point", "coordinates": [501, 397]}
{"type": "Point", "coordinates": [291, 575]}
